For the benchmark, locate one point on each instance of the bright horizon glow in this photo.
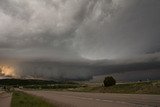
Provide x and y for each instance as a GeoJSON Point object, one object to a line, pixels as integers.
{"type": "Point", "coordinates": [7, 70]}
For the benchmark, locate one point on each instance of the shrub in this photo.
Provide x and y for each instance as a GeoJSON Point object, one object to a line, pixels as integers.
{"type": "Point", "coordinates": [109, 81]}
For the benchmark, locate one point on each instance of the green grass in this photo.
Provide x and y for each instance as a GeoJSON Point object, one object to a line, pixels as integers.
{"type": "Point", "coordinates": [21, 99]}
{"type": "Point", "coordinates": [152, 87]}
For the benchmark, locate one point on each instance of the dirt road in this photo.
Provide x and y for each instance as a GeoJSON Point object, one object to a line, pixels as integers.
{"type": "Point", "coordinates": [81, 99]}
{"type": "Point", "coordinates": [5, 99]}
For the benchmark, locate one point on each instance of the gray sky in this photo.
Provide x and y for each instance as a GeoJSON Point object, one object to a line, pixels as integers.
{"type": "Point", "coordinates": [93, 32]}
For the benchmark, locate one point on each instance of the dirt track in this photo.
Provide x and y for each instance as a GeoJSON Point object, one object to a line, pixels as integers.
{"type": "Point", "coordinates": [5, 99]}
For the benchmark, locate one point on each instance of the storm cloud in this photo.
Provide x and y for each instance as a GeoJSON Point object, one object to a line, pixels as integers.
{"type": "Point", "coordinates": [80, 38]}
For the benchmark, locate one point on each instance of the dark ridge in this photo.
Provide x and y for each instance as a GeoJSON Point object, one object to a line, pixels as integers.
{"type": "Point", "coordinates": [24, 82]}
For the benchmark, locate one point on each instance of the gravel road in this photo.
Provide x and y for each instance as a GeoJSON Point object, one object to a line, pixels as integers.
{"type": "Point", "coordinates": [81, 99]}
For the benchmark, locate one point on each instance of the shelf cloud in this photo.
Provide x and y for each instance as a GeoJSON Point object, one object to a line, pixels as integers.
{"type": "Point", "coordinates": [77, 39]}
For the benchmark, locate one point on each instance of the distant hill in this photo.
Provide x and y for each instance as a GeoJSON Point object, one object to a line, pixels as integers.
{"type": "Point", "coordinates": [23, 82]}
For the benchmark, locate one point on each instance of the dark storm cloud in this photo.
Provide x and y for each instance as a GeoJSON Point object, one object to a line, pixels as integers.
{"type": "Point", "coordinates": [105, 36]}
{"type": "Point", "coordinates": [87, 69]}
{"type": "Point", "coordinates": [15, 9]}
{"type": "Point", "coordinates": [131, 76]}
{"type": "Point", "coordinates": [95, 29]}
{"type": "Point", "coordinates": [30, 25]}
{"type": "Point", "coordinates": [55, 70]}
{"type": "Point", "coordinates": [129, 30]}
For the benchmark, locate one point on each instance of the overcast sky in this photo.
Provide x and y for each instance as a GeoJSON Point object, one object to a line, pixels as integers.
{"type": "Point", "coordinates": [97, 32]}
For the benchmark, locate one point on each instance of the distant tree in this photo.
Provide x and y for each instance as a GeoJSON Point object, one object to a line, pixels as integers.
{"type": "Point", "coordinates": [109, 81]}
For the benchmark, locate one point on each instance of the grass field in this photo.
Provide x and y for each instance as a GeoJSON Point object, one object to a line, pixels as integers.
{"type": "Point", "coordinates": [152, 87]}
{"type": "Point", "coordinates": [20, 99]}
